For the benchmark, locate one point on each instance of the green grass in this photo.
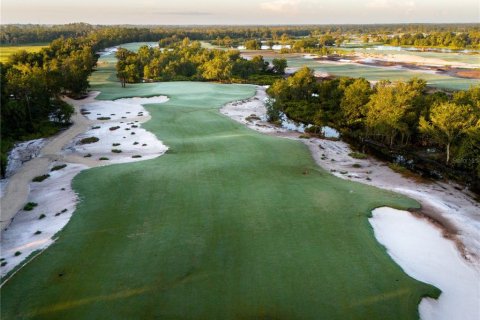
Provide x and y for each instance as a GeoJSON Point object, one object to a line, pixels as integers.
{"type": "Point", "coordinates": [230, 224]}
{"type": "Point", "coordinates": [7, 51]}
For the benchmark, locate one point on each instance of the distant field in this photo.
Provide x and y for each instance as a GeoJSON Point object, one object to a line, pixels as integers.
{"type": "Point", "coordinates": [7, 51]}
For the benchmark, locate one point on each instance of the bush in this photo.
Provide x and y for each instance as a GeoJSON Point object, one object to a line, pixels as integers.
{"type": "Point", "coordinates": [37, 232]}
{"type": "Point", "coordinates": [17, 253]}
{"type": "Point", "coordinates": [42, 216]}
{"type": "Point", "coordinates": [358, 155]}
{"type": "Point", "coordinates": [135, 143]}
{"type": "Point", "coordinates": [88, 140]}
{"type": "Point", "coordinates": [88, 155]}
{"type": "Point", "coordinates": [29, 206]}
{"type": "Point", "coordinates": [96, 127]}
{"type": "Point", "coordinates": [115, 144]}
{"type": "Point", "coordinates": [59, 167]}
{"type": "Point", "coordinates": [356, 165]}
{"type": "Point", "coordinates": [304, 136]}
{"type": "Point", "coordinates": [40, 178]}
{"type": "Point", "coordinates": [103, 118]}
{"type": "Point", "coordinates": [103, 158]}
{"type": "Point", "coordinates": [136, 156]}
{"type": "Point", "coordinates": [3, 264]}
{"type": "Point", "coordinates": [116, 151]}
{"type": "Point", "coordinates": [113, 128]}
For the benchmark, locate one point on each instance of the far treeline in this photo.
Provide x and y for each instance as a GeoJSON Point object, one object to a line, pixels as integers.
{"type": "Point", "coordinates": [455, 36]}
{"type": "Point", "coordinates": [187, 60]}
{"type": "Point", "coordinates": [439, 130]}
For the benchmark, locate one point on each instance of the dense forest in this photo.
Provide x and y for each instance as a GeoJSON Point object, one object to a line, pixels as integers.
{"type": "Point", "coordinates": [437, 35]}
{"type": "Point", "coordinates": [402, 117]}
{"type": "Point", "coordinates": [185, 60]}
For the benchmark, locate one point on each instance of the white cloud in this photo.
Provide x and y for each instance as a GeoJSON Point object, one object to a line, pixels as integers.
{"type": "Point", "coordinates": [376, 4]}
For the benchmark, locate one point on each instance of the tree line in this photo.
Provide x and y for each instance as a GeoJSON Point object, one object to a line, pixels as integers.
{"type": "Point", "coordinates": [402, 115]}
{"type": "Point", "coordinates": [187, 60]}
{"type": "Point", "coordinates": [441, 35]}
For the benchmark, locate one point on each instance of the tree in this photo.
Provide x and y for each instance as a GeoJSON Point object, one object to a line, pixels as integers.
{"type": "Point", "coordinates": [354, 103]}
{"type": "Point", "coordinates": [448, 122]}
{"type": "Point", "coordinates": [253, 44]}
{"type": "Point", "coordinates": [279, 65]}
{"type": "Point", "coordinates": [217, 69]}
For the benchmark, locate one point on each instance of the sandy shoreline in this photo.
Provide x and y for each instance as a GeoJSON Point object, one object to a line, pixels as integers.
{"type": "Point", "coordinates": [121, 140]}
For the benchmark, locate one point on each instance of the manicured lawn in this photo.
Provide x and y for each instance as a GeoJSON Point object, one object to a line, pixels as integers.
{"type": "Point", "coordinates": [229, 224]}
{"type": "Point", "coordinates": [6, 51]}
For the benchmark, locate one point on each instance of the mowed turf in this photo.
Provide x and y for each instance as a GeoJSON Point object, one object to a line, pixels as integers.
{"type": "Point", "coordinates": [7, 51]}
{"type": "Point", "coordinates": [229, 224]}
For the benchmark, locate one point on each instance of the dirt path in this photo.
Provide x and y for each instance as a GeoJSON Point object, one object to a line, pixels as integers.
{"type": "Point", "coordinates": [17, 190]}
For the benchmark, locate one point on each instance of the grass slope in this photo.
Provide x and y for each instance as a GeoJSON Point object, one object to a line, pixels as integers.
{"type": "Point", "coordinates": [230, 224]}
{"type": "Point", "coordinates": [7, 51]}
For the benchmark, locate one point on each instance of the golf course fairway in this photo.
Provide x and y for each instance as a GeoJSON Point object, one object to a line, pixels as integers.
{"type": "Point", "coordinates": [229, 224]}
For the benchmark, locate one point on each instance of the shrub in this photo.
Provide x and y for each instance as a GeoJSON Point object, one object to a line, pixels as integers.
{"type": "Point", "coordinates": [42, 216]}
{"type": "Point", "coordinates": [135, 143]}
{"type": "Point", "coordinates": [116, 151]}
{"type": "Point", "coordinates": [88, 140]}
{"type": "Point", "coordinates": [103, 158]}
{"type": "Point", "coordinates": [37, 232]}
{"type": "Point", "coordinates": [304, 136]}
{"type": "Point", "coordinates": [88, 155]}
{"type": "Point", "coordinates": [132, 133]}
{"type": "Point", "coordinates": [103, 118]}
{"type": "Point", "coordinates": [96, 127]}
{"type": "Point", "coordinates": [115, 144]}
{"type": "Point", "coordinates": [29, 206]}
{"type": "Point", "coordinates": [358, 155]}
{"type": "Point", "coordinates": [3, 264]}
{"type": "Point", "coordinates": [144, 145]}
{"type": "Point", "coordinates": [136, 156]}
{"type": "Point", "coordinates": [17, 253]}
{"type": "Point", "coordinates": [113, 128]}
{"type": "Point", "coordinates": [40, 178]}
{"type": "Point", "coordinates": [356, 165]}
{"type": "Point", "coordinates": [59, 167]}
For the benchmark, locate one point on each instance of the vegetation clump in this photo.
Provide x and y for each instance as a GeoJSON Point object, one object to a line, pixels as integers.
{"type": "Point", "coordinates": [40, 178]}
{"type": "Point", "coordinates": [103, 118]}
{"type": "Point", "coordinates": [89, 140]}
{"type": "Point", "coordinates": [59, 167]}
{"type": "Point", "coordinates": [358, 155]}
{"type": "Point", "coordinates": [30, 206]}
{"type": "Point", "coordinates": [114, 128]}
{"type": "Point", "coordinates": [103, 158]}
{"type": "Point", "coordinates": [116, 150]}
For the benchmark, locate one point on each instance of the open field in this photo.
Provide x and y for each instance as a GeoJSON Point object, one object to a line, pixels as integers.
{"type": "Point", "coordinates": [229, 224]}
{"type": "Point", "coordinates": [6, 51]}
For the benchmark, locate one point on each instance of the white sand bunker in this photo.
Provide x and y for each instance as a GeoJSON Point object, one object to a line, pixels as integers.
{"type": "Point", "coordinates": [119, 109]}
{"type": "Point", "coordinates": [420, 249]}
{"type": "Point", "coordinates": [31, 230]}
{"type": "Point", "coordinates": [120, 140]}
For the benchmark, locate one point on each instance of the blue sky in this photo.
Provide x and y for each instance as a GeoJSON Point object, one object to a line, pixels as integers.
{"type": "Point", "coordinates": [239, 11]}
